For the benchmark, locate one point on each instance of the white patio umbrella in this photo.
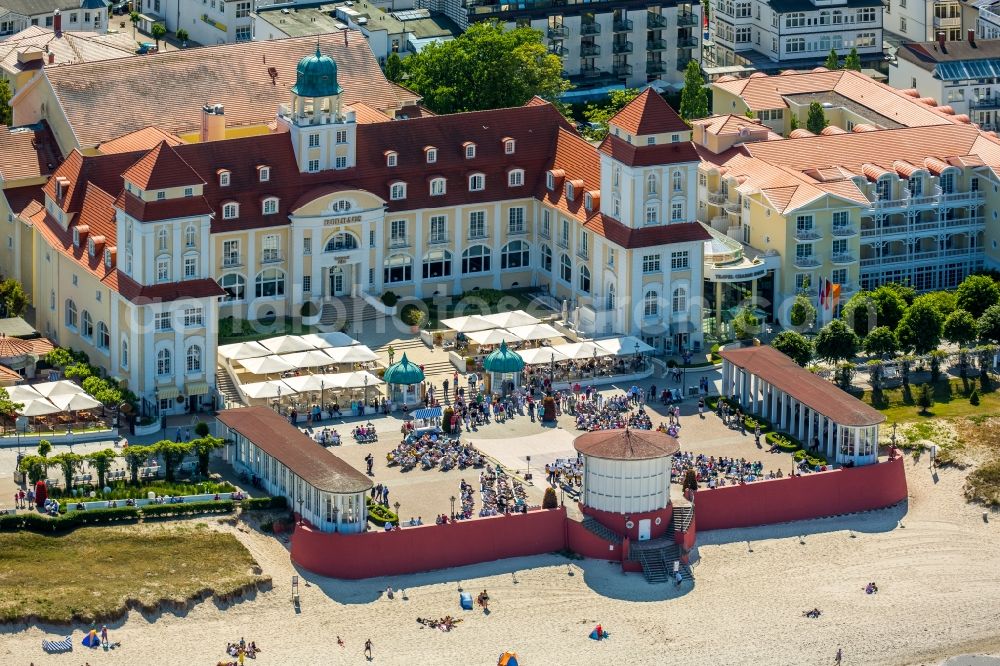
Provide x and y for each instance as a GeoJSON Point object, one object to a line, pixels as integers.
{"type": "Point", "coordinates": [266, 365]}
{"type": "Point", "coordinates": [582, 350]}
{"type": "Point", "coordinates": [509, 319]}
{"type": "Point", "coordinates": [270, 389]}
{"type": "Point", "coordinates": [74, 402]}
{"type": "Point", "coordinates": [307, 359]}
{"type": "Point", "coordinates": [303, 383]}
{"type": "Point", "coordinates": [352, 354]}
{"type": "Point", "coordinates": [284, 344]}
{"type": "Point", "coordinates": [38, 407]}
{"type": "Point", "coordinates": [624, 346]}
{"type": "Point", "coordinates": [241, 350]}
{"type": "Point", "coordinates": [494, 336]}
{"type": "Point", "coordinates": [357, 379]}
{"type": "Point", "coordinates": [331, 339]}
{"type": "Point", "coordinates": [468, 324]}
{"type": "Point", "coordinates": [23, 393]}
{"type": "Point", "coordinates": [535, 332]}
{"type": "Point", "coordinates": [61, 387]}
{"type": "Point", "coordinates": [541, 355]}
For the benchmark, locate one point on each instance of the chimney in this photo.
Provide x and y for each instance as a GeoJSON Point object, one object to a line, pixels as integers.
{"type": "Point", "coordinates": [213, 123]}
{"type": "Point", "coordinates": [52, 58]}
{"type": "Point", "coordinates": [57, 23]}
{"type": "Point", "coordinates": [972, 36]}
{"type": "Point", "coordinates": [941, 38]}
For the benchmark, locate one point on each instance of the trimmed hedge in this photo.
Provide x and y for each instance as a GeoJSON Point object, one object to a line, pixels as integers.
{"type": "Point", "coordinates": [380, 514]}
{"type": "Point", "coordinates": [37, 522]}
{"type": "Point", "coordinates": [783, 442]}
{"type": "Point", "coordinates": [188, 509]}
{"type": "Point", "coordinates": [264, 503]}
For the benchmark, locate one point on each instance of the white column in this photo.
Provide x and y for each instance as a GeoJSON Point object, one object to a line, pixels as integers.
{"type": "Point", "coordinates": [773, 410]}
{"type": "Point", "coordinates": [745, 390]}
{"type": "Point", "coordinates": [831, 444]}
{"type": "Point", "coordinates": [810, 429]}
{"type": "Point", "coordinates": [802, 421]}
{"type": "Point", "coordinates": [725, 374]}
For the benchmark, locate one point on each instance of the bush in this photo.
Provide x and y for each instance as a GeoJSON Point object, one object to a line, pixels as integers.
{"type": "Point", "coordinates": [550, 501]}
{"type": "Point", "coordinates": [308, 309]}
{"type": "Point", "coordinates": [411, 315]}
{"type": "Point", "coordinates": [267, 527]}
{"type": "Point", "coordinates": [783, 442]}
{"type": "Point", "coordinates": [188, 509]}
{"type": "Point", "coordinates": [974, 398]}
{"type": "Point", "coordinates": [264, 503]}
{"type": "Point", "coordinates": [446, 417]}
{"type": "Point", "coordinates": [381, 514]}
{"type": "Point", "coordinates": [690, 481]}
{"type": "Point", "coordinates": [390, 298]}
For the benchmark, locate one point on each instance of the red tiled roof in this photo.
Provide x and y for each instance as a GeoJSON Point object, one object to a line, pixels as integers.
{"type": "Point", "coordinates": [7, 374]}
{"type": "Point", "coordinates": [578, 160]}
{"type": "Point", "coordinates": [20, 198]}
{"type": "Point", "coordinates": [649, 114]}
{"type": "Point", "coordinates": [41, 346]}
{"type": "Point", "coordinates": [662, 153]}
{"type": "Point", "coordinates": [27, 152]}
{"type": "Point", "coordinates": [272, 433]}
{"type": "Point", "coordinates": [663, 234]}
{"type": "Point", "coordinates": [143, 139]}
{"type": "Point", "coordinates": [170, 291]}
{"type": "Point", "coordinates": [626, 444]}
{"type": "Point", "coordinates": [12, 347]}
{"type": "Point", "coordinates": [811, 390]}
{"type": "Point", "coordinates": [168, 209]}
{"type": "Point", "coordinates": [161, 168]}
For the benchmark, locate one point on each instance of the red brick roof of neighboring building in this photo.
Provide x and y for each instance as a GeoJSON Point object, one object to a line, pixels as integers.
{"type": "Point", "coordinates": [649, 113]}
{"type": "Point", "coordinates": [13, 347]}
{"type": "Point", "coordinates": [160, 169]}
{"type": "Point", "coordinates": [146, 138]}
{"type": "Point", "coordinates": [626, 444]}
{"type": "Point", "coordinates": [811, 390]}
{"type": "Point", "coordinates": [579, 161]}
{"type": "Point", "coordinates": [27, 152]}
{"type": "Point", "coordinates": [661, 153]}
{"type": "Point", "coordinates": [169, 291]}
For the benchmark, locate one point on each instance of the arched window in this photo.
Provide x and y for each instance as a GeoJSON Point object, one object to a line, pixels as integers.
{"type": "Point", "coordinates": [515, 254]}
{"type": "Point", "coordinates": [397, 268]}
{"type": "Point", "coordinates": [610, 299]}
{"type": "Point", "coordinates": [164, 365]}
{"type": "Point", "coordinates": [87, 325]}
{"type": "Point", "coordinates": [161, 240]}
{"type": "Point", "coordinates": [123, 356]}
{"type": "Point", "coordinates": [103, 336]}
{"type": "Point", "coordinates": [650, 304]}
{"type": "Point", "coordinates": [235, 286]}
{"type": "Point", "coordinates": [436, 264]}
{"type": "Point", "coordinates": [476, 259]}
{"type": "Point", "coordinates": [651, 185]}
{"type": "Point", "coordinates": [584, 279]}
{"type": "Point", "coordinates": [566, 268]}
{"type": "Point", "coordinates": [676, 178]}
{"type": "Point", "coordinates": [70, 313]}
{"type": "Point", "coordinates": [680, 300]}
{"type": "Point", "coordinates": [193, 359]}
{"type": "Point", "coordinates": [269, 206]}
{"type": "Point", "coordinates": [341, 241]}
{"type": "Point", "coordinates": [546, 259]}
{"type": "Point", "coordinates": [270, 282]}
{"type": "Point", "coordinates": [190, 236]}
{"type": "Point", "coordinates": [230, 211]}
{"type": "Point", "coordinates": [515, 178]}
{"type": "Point", "coordinates": [477, 182]}
{"type": "Point", "coordinates": [397, 191]}
{"type": "Point", "coordinates": [438, 186]}
{"type": "Point", "coordinates": [341, 205]}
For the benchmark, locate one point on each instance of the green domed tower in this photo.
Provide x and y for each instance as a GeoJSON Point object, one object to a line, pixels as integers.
{"type": "Point", "coordinates": [316, 76]}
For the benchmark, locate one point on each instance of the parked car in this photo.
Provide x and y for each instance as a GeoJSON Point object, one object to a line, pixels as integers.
{"type": "Point", "coordinates": [146, 48]}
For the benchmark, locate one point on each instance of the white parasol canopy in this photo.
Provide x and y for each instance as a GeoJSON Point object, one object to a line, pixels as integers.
{"type": "Point", "coordinates": [304, 383]}
{"type": "Point", "coordinates": [582, 350]}
{"type": "Point", "coordinates": [271, 389]}
{"type": "Point", "coordinates": [535, 332]}
{"type": "Point", "coordinates": [265, 365]}
{"type": "Point", "coordinates": [331, 339]}
{"type": "Point", "coordinates": [307, 359]}
{"type": "Point", "coordinates": [353, 354]}
{"type": "Point", "coordinates": [541, 355]}
{"type": "Point", "coordinates": [241, 350]}
{"type": "Point", "coordinates": [38, 407]}
{"type": "Point", "coordinates": [284, 344]}
{"type": "Point", "coordinates": [356, 379]}
{"type": "Point", "coordinates": [74, 402]}
{"type": "Point", "coordinates": [469, 324]}
{"type": "Point", "coordinates": [22, 393]}
{"type": "Point", "coordinates": [509, 319]}
{"type": "Point", "coordinates": [493, 336]}
{"type": "Point", "coordinates": [624, 346]}
{"type": "Point", "coordinates": [61, 387]}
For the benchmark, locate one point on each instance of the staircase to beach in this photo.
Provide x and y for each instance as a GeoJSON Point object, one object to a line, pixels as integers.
{"type": "Point", "coordinates": [657, 556]}
{"type": "Point", "coordinates": [229, 392]}
{"type": "Point", "coordinates": [601, 531]}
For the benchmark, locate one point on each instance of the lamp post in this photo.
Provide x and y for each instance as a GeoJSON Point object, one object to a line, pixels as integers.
{"type": "Point", "coordinates": [562, 494]}
{"type": "Point", "coordinates": [552, 372]}
{"type": "Point", "coordinates": [322, 386]}
{"type": "Point", "coordinates": [453, 507]}
{"type": "Point", "coordinates": [300, 510]}
{"type": "Point", "coordinates": [527, 474]}
{"type": "Point", "coordinates": [399, 519]}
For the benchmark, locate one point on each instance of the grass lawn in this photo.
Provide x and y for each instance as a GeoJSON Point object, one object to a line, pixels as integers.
{"type": "Point", "coordinates": [89, 573]}
{"type": "Point", "coordinates": [951, 400]}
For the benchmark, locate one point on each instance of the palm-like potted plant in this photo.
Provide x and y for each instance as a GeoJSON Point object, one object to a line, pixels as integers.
{"type": "Point", "coordinates": [182, 37]}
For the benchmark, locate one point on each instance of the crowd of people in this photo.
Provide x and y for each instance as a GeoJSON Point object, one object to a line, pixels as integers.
{"type": "Point", "coordinates": [564, 472]}
{"type": "Point", "coordinates": [327, 437]}
{"type": "Point", "coordinates": [719, 471]}
{"type": "Point", "coordinates": [500, 493]}
{"type": "Point", "coordinates": [431, 448]}
{"type": "Point", "coordinates": [240, 651]}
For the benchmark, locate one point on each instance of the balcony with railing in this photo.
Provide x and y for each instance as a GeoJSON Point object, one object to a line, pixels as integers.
{"type": "Point", "coordinates": [656, 67]}
{"type": "Point", "coordinates": [716, 198]}
{"type": "Point", "coordinates": [623, 69]}
{"type": "Point", "coordinates": [590, 28]}
{"type": "Point", "coordinates": [844, 230]}
{"type": "Point", "coordinates": [545, 233]}
{"type": "Point", "coordinates": [398, 242]}
{"type": "Point", "coordinates": [807, 261]}
{"type": "Point", "coordinates": [517, 230]}
{"type": "Point", "coordinates": [656, 45]}
{"type": "Point", "coordinates": [478, 234]}
{"type": "Point", "coordinates": [926, 256]}
{"type": "Point", "coordinates": [621, 47]}
{"type": "Point", "coordinates": [841, 258]}
{"type": "Point", "coordinates": [590, 71]}
{"type": "Point", "coordinates": [557, 32]}
{"type": "Point", "coordinates": [806, 235]}
{"type": "Point", "coordinates": [731, 206]}
{"type": "Point", "coordinates": [687, 42]}
{"type": "Point", "coordinates": [590, 50]}
{"type": "Point", "coordinates": [654, 21]}
{"type": "Point", "coordinates": [271, 257]}
{"type": "Point", "coordinates": [556, 48]}
{"type": "Point", "coordinates": [686, 19]}
{"type": "Point", "coordinates": [623, 25]}
{"type": "Point", "coordinates": [985, 103]}
{"type": "Point", "coordinates": [922, 226]}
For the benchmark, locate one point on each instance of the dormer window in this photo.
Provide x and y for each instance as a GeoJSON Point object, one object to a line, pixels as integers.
{"type": "Point", "coordinates": [432, 154]}
{"type": "Point", "coordinates": [550, 180]}
{"type": "Point", "coordinates": [438, 187]}
{"type": "Point", "coordinates": [76, 237]}
{"type": "Point", "coordinates": [264, 173]}
{"type": "Point", "coordinates": [515, 178]}
{"type": "Point", "coordinates": [161, 195]}
{"type": "Point", "coordinates": [391, 158]}
{"type": "Point", "coordinates": [569, 191]}
{"type": "Point", "coordinates": [91, 248]}
{"type": "Point", "coordinates": [224, 178]}
{"type": "Point", "coordinates": [477, 182]}
{"type": "Point", "coordinates": [588, 202]}
{"type": "Point", "coordinates": [270, 206]}
{"type": "Point", "coordinates": [397, 191]}
{"type": "Point", "coordinates": [107, 258]}
{"type": "Point", "coordinates": [230, 211]}
{"type": "Point", "coordinates": [470, 150]}
{"type": "Point", "coordinates": [508, 146]}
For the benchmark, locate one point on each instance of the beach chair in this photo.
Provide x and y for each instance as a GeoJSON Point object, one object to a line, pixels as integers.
{"type": "Point", "coordinates": [295, 591]}
{"type": "Point", "coordinates": [55, 647]}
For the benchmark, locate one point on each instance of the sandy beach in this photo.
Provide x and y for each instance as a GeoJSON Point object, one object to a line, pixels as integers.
{"type": "Point", "coordinates": [936, 562]}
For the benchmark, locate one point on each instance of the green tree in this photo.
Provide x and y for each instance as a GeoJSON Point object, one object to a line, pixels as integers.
{"type": "Point", "coordinates": [70, 464]}
{"type": "Point", "coordinates": [853, 61]}
{"type": "Point", "coordinates": [157, 31]}
{"type": "Point", "coordinates": [976, 294]}
{"type": "Point", "coordinates": [907, 293]}
{"type": "Point", "coordinates": [44, 448]}
{"type": "Point", "coordinates": [486, 67]}
{"type": "Point", "coordinates": [794, 345]}
{"type": "Point", "coordinates": [36, 467]}
{"type": "Point", "coordinates": [600, 114]}
{"type": "Point", "coordinates": [745, 325]}
{"type": "Point", "coordinates": [793, 124]}
{"type": "Point", "coordinates": [135, 457]}
{"type": "Point", "coordinates": [988, 326]}
{"type": "Point", "coordinates": [394, 68]}
{"type": "Point", "coordinates": [942, 301]}
{"type": "Point", "coordinates": [172, 453]}
{"type": "Point", "coordinates": [844, 375]}
{"type": "Point", "coordinates": [549, 499]}
{"type": "Point", "coordinates": [81, 371]}
{"type": "Point", "coordinates": [937, 357]}
{"type": "Point", "coordinates": [7, 406]}
{"type": "Point", "coordinates": [182, 36]}
{"type": "Point", "coordinates": [203, 447]}
{"type": "Point", "coordinates": [920, 329]}
{"type": "Point", "coordinates": [860, 313]}
{"type": "Point", "coordinates": [880, 342]}
{"type": "Point", "coordinates": [201, 429]}
{"type": "Point", "coordinates": [925, 398]}
{"type": "Point", "coordinates": [6, 114]}
{"type": "Point", "coordinates": [960, 328]}
{"type": "Point", "coordinates": [832, 60]}
{"type": "Point", "coordinates": [134, 18]}
{"type": "Point", "coordinates": [816, 120]}
{"type": "Point", "coordinates": [891, 306]}
{"type": "Point", "coordinates": [836, 342]}
{"type": "Point", "coordinates": [802, 313]}
{"type": "Point", "coordinates": [13, 300]}
{"type": "Point", "coordinates": [102, 461]}
{"type": "Point", "coordinates": [694, 96]}
{"type": "Point", "coordinates": [60, 357]}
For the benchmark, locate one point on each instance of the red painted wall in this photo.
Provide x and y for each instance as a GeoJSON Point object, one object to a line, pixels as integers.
{"type": "Point", "coordinates": [616, 521]}
{"type": "Point", "coordinates": [584, 542]}
{"type": "Point", "coordinates": [802, 497]}
{"type": "Point", "coordinates": [429, 547]}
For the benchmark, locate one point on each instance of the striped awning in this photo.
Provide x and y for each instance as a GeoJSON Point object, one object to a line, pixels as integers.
{"type": "Point", "coordinates": [167, 392]}
{"type": "Point", "coordinates": [197, 388]}
{"type": "Point", "coordinates": [427, 413]}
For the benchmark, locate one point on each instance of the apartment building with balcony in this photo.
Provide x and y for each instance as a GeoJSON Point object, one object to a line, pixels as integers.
{"type": "Point", "coordinates": [963, 75]}
{"type": "Point", "coordinates": [911, 202]}
{"type": "Point", "coordinates": [602, 44]}
{"type": "Point", "coordinates": [769, 35]}
{"type": "Point", "coordinates": [924, 20]}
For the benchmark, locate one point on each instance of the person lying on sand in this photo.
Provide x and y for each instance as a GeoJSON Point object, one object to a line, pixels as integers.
{"type": "Point", "coordinates": [814, 613]}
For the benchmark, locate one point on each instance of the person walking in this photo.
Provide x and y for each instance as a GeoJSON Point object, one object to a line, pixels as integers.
{"type": "Point", "coordinates": [839, 658]}
{"type": "Point", "coordinates": [368, 649]}
{"type": "Point", "coordinates": [446, 396]}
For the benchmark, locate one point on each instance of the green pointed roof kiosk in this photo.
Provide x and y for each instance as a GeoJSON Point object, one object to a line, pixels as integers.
{"type": "Point", "coordinates": [503, 370]}
{"type": "Point", "coordinates": [406, 382]}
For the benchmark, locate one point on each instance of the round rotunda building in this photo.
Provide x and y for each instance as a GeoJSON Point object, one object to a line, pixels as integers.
{"type": "Point", "coordinates": [626, 480]}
